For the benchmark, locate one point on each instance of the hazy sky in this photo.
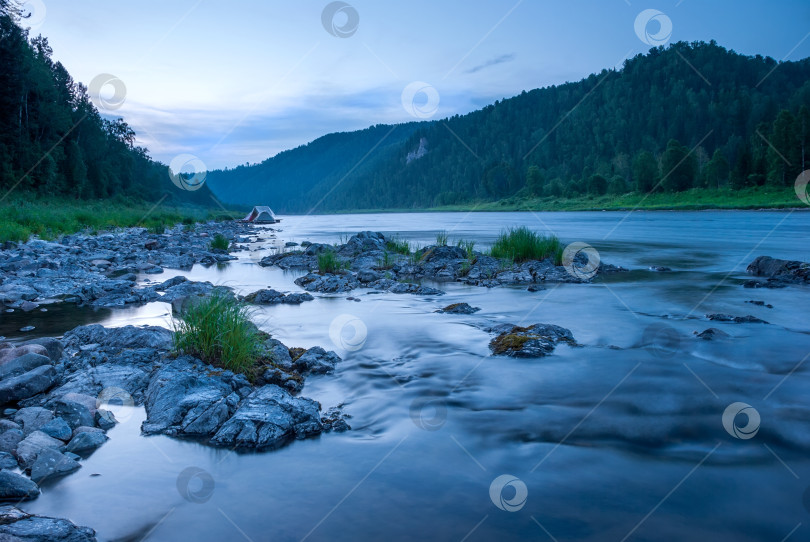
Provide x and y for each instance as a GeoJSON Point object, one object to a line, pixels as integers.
{"type": "Point", "coordinates": [240, 81]}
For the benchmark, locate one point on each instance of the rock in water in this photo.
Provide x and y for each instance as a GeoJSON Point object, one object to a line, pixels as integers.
{"type": "Point", "coordinates": [52, 464]}
{"type": "Point", "coordinates": [16, 525]}
{"type": "Point", "coordinates": [268, 418]}
{"type": "Point", "coordinates": [735, 319]}
{"type": "Point", "coordinates": [535, 341]}
{"type": "Point", "coordinates": [459, 308]}
{"type": "Point", "coordinates": [785, 271]}
{"type": "Point", "coordinates": [15, 487]}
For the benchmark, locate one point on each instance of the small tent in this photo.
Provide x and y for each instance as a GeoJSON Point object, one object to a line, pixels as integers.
{"type": "Point", "coordinates": [261, 215]}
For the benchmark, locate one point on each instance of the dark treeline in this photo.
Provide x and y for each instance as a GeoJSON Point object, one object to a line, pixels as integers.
{"type": "Point", "coordinates": [54, 141]}
{"type": "Point", "coordinates": [744, 119]}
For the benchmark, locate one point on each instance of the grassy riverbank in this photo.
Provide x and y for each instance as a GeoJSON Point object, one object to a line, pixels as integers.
{"type": "Point", "coordinates": [690, 200]}
{"type": "Point", "coordinates": [50, 217]}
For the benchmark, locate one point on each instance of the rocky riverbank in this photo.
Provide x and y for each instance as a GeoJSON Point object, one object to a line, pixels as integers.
{"type": "Point", "coordinates": [61, 396]}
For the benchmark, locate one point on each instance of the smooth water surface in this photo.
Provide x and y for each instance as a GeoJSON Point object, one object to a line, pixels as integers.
{"type": "Point", "coordinates": [618, 439]}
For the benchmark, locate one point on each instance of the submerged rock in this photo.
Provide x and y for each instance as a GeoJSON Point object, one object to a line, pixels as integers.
{"type": "Point", "coordinates": [711, 334]}
{"type": "Point", "coordinates": [15, 487]}
{"type": "Point", "coordinates": [316, 360]}
{"type": "Point", "coordinates": [735, 319]}
{"type": "Point", "coordinates": [534, 341]}
{"type": "Point", "coordinates": [459, 308]}
{"type": "Point", "coordinates": [16, 525]}
{"type": "Point", "coordinates": [274, 297]}
{"type": "Point", "coordinates": [785, 271]}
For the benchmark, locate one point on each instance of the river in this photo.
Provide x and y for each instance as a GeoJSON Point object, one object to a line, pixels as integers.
{"type": "Point", "coordinates": [621, 438]}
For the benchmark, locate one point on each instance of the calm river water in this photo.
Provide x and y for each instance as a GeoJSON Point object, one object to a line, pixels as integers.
{"type": "Point", "coordinates": [619, 439]}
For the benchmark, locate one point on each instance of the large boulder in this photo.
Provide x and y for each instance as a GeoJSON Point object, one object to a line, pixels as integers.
{"type": "Point", "coordinates": [188, 398]}
{"type": "Point", "coordinates": [274, 297]}
{"type": "Point", "coordinates": [76, 409]}
{"type": "Point", "coordinates": [51, 464]}
{"type": "Point", "coordinates": [268, 418]}
{"type": "Point", "coordinates": [316, 360]}
{"type": "Point", "coordinates": [86, 442]}
{"type": "Point", "coordinates": [328, 283]}
{"type": "Point", "coordinates": [18, 526]}
{"type": "Point", "coordinates": [26, 376]}
{"type": "Point", "coordinates": [32, 418]}
{"type": "Point", "coordinates": [533, 341]}
{"type": "Point", "coordinates": [15, 487]}
{"type": "Point", "coordinates": [788, 271]}
{"type": "Point", "coordinates": [31, 446]}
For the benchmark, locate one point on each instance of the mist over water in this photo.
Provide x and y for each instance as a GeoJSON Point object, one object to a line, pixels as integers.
{"type": "Point", "coordinates": [619, 438]}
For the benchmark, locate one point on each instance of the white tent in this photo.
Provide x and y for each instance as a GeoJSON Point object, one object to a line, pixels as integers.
{"type": "Point", "coordinates": [261, 215]}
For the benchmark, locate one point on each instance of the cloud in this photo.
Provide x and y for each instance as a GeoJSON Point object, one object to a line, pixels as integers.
{"type": "Point", "coordinates": [509, 57]}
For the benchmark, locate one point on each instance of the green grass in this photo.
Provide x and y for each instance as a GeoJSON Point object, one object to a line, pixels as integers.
{"type": "Point", "coordinates": [398, 245]}
{"type": "Point", "coordinates": [762, 197]}
{"type": "Point", "coordinates": [468, 247]}
{"type": "Point", "coordinates": [48, 218]}
{"type": "Point", "coordinates": [219, 242]}
{"type": "Point", "coordinates": [328, 262]}
{"type": "Point", "coordinates": [522, 244]}
{"type": "Point", "coordinates": [441, 239]}
{"type": "Point", "coordinates": [218, 330]}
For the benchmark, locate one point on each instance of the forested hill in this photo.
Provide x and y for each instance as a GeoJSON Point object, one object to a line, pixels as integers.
{"type": "Point", "coordinates": [617, 131]}
{"type": "Point", "coordinates": [53, 140]}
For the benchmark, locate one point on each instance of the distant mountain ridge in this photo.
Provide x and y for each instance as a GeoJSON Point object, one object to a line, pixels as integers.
{"type": "Point", "coordinates": [692, 114]}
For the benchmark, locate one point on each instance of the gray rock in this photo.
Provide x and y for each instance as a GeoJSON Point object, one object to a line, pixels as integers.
{"type": "Point", "coordinates": [785, 271]}
{"type": "Point", "coordinates": [316, 360]}
{"type": "Point", "coordinates": [53, 347]}
{"type": "Point", "coordinates": [368, 275]}
{"type": "Point", "coordinates": [459, 308]}
{"type": "Point", "coordinates": [9, 440]}
{"type": "Point", "coordinates": [28, 384]}
{"type": "Point", "coordinates": [85, 442]}
{"type": "Point", "coordinates": [289, 380]}
{"type": "Point", "coordinates": [328, 283]}
{"type": "Point", "coordinates": [735, 319]}
{"type": "Point", "coordinates": [17, 526]}
{"type": "Point", "coordinates": [52, 464]}
{"type": "Point", "coordinates": [32, 418]}
{"type": "Point", "coordinates": [74, 410]}
{"type": "Point", "coordinates": [31, 446]}
{"type": "Point", "coordinates": [7, 461]}
{"type": "Point", "coordinates": [18, 365]}
{"type": "Point", "coordinates": [535, 341]}
{"type": "Point", "coordinates": [268, 418]}
{"type": "Point", "coordinates": [712, 333]}
{"type": "Point", "coordinates": [15, 487]}
{"type": "Point", "coordinates": [58, 429]}
{"type": "Point", "coordinates": [187, 397]}
{"type": "Point", "coordinates": [273, 297]}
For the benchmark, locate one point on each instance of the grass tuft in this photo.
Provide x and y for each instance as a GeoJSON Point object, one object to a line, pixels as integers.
{"type": "Point", "coordinates": [441, 239]}
{"type": "Point", "coordinates": [522, 244]}
{"type": "Point", "coordinates": [398, 245]}
{"type": "Point", "coordinates": [217, 329]}
{"type": "Point", "coordinates": [219, 242]}
{"type": "Point", "coordinates": [328, 262]}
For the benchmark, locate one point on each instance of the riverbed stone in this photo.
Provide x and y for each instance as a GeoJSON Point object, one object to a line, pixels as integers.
{"type": "Point", "coordinates": [15, 487]}
{"type": "Point", "coordinates": [86, 442]}
{"type": "Point", "coordinates": [534, 341]}
{"type": "Point", "coordinates": [274, 297]}
{"type": "Point", "coordinates": [786, 271]}
{"type": "Point", "coordinates": [269, 417]}
{"type": "Point", "coordinates": [316, 360]}
{"type": "Point", "coordinates": [51, 464]}
{"type": "Point", "coordinates": [7, 461]}
{"type": "Point", "coordinates": [18, 526]}
{"type": "Point", "coordinates": [58, 429]}
{"type": "Point", "coordinates": [32, 418]}
{"type": "Point", "coordinates": [30, 447]}
{"type": "Point", "coordinates": [459, 308]}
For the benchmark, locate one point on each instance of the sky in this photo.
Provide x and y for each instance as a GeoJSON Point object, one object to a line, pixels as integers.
{"type": "Point", "coordinates": [238, 83]}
